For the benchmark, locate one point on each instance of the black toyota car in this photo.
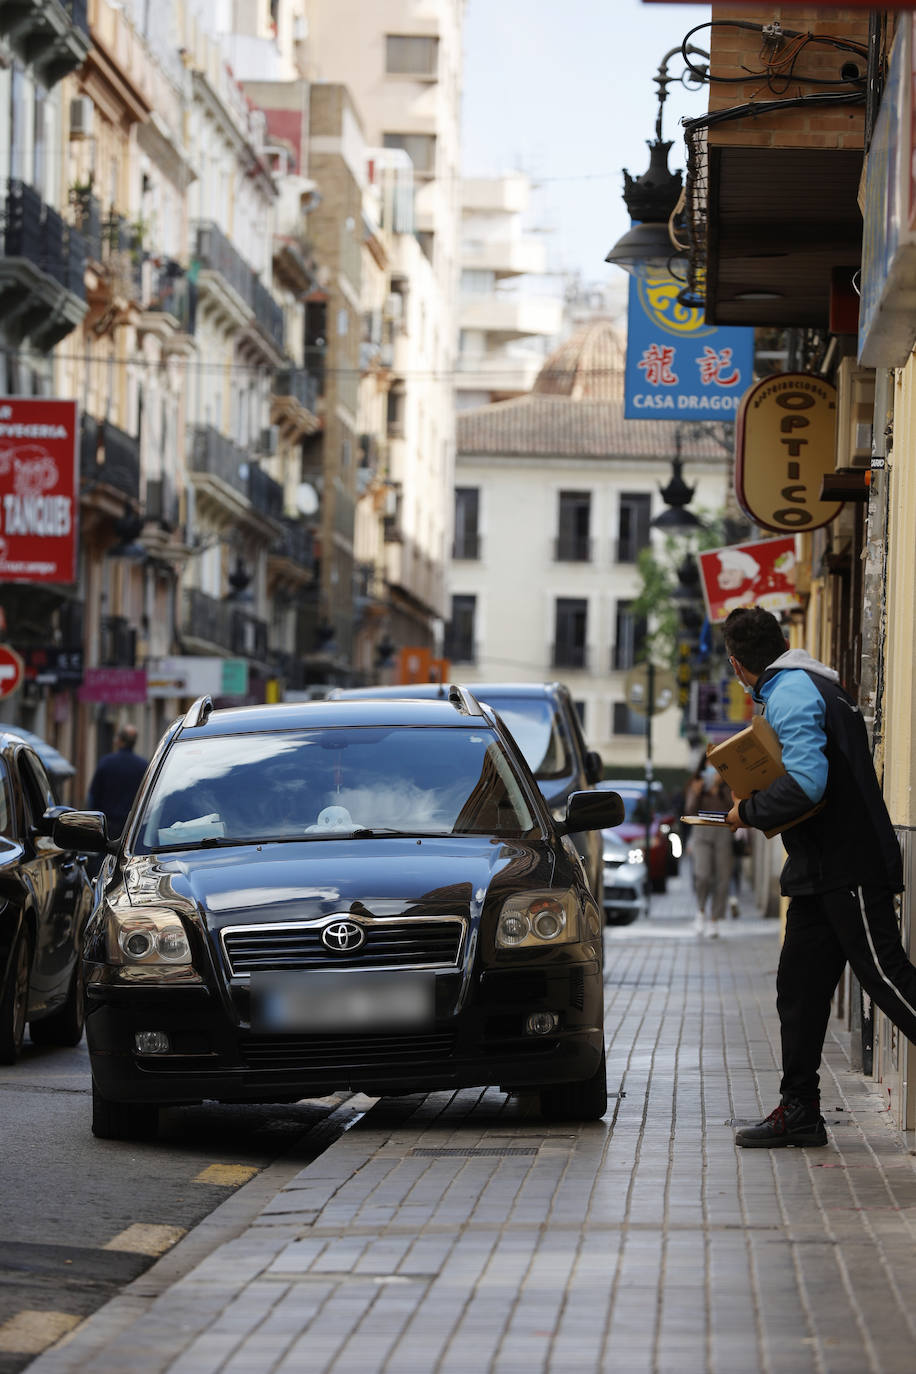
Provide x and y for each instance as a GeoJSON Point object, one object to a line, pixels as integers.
{"type": "Point", "coordinates": [362, 894]}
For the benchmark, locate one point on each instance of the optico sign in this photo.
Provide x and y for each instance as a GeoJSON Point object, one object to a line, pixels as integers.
{"type": "Point", "coordinates": [785, 445]}
{"type": "Point", "coordinates": [38, 489]}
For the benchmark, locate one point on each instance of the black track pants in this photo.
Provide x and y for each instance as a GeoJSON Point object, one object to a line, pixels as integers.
{"type": "Point", "coordinates": [822, 933]}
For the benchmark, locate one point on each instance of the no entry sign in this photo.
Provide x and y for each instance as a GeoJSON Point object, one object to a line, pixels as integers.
{"type": "Point", "coordinates": [12, 670]}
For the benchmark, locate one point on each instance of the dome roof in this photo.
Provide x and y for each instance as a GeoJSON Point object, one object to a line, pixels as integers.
{"type": "Point", "coordinates": [588, 366]}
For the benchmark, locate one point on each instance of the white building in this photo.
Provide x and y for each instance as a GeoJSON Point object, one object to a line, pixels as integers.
{"type": "Point", "coordinates": [505, 320]}
{"type": "Point", "coordinates": [554, 493]}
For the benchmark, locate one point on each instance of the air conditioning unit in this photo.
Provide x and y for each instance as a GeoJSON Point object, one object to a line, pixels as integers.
{"type": "Point", "coordinates": [81, 116]}
{"type": "Point", "coordinates": [270, 440]}
{"type": "Point", "coordinates": [855, 414]}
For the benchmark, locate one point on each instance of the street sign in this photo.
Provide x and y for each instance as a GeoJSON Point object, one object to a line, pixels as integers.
{"type": "Point", "coordinates": [12, 671]}
{"type": "Point", "coordinates": [636, 687]}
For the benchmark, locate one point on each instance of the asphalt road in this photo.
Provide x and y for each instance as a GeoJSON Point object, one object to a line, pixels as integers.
{"type": "Point", "coordinates": [80, 1217]}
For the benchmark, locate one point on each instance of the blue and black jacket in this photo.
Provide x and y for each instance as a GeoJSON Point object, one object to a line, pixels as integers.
{"type": "Point", "coordinates": [850, 841]}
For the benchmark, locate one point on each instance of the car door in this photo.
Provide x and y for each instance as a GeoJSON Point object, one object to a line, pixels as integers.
{"type": "Point", "coordinates": [58, 883]}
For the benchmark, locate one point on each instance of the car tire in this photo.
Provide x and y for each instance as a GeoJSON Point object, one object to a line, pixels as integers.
{"type": "Point", "coordinates": [123, 1120]}
{"type": "Point", "coordinates": [585, 1101]}
{"type": "Point", "coordinates": [15, 1000]}
{"type": "Point", "coordinates": [65, 1026]}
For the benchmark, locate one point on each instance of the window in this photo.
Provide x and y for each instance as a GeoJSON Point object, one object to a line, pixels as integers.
{"type": "Point", "coordinates": [467, 519]}
{"type": "Point", "coordinates": [420, 148]}
{"type": "Point", "coordinates": [626, 722]}
{"type": "Point", "coordinates": [633, 525]}
{"type": "Point", "coordinates": [629, 636]}
{"type": "Point", "coordinates": [427, 241]}
{"type": "Point", "coordinates": [570, 621]}
{"type": "Point", "coordinates": [459, 633]}
{"type": "Point", "coordinates": [397, 406]}
{"type": "Point", "coordinates": [574, 520]}
{"type": "Point", "coordinates": [410, 55]}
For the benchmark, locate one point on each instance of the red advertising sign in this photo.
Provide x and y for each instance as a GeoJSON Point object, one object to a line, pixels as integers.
{"type": "Point", "coordinates": [12, 669]}
{"type": "Point", "coordinates": [757, 574]}
{"type": "Point", "coordinates": [38, 489]}
{"type": "Point", "coordinates": [117, 686]}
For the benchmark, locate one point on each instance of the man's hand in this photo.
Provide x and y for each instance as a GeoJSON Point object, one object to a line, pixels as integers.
{"type": "Point", "coordinates": [733, 820]}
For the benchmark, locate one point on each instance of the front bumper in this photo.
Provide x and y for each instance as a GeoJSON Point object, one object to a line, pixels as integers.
{"type": "Point", "coordinates": [480, 1040]}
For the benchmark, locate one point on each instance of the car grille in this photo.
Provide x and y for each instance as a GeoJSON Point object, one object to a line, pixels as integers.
{"type": "Point", "coordinates": [413, 943]}
{"type": "Point", "coordinates": [620, 894]}
{"type": "Point", "coordinates": [396, 1054]}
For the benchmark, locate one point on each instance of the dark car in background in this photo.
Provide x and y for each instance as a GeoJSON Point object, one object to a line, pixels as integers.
{"type": "Point", "coordinates": [542, 718]}
{"type": "Point", "coordinates": [361, 894]}
{"type": "Point", "coordinates": [45, 899]}
{"type": "Point", "coordinates": [664, 848]}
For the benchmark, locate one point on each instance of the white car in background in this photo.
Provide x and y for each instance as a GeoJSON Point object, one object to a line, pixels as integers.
{"type": "Point", "coordinates": [626, 881]}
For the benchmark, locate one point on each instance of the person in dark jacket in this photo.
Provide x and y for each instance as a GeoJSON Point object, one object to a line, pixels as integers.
{"type": "Point", "coordinates": [842, 869]}
{"type": "Point", "coordinates": [116, 779]}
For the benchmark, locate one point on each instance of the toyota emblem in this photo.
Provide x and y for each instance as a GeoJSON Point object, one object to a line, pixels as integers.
{"type": "Point", "coordinates": [343, 936]}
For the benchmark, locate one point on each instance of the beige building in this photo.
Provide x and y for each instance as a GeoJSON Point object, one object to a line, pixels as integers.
{"type": "Point", "coordinates": [554, 493]}
{"type": "Point", "coordinates": [404, 77]}
{"type": "Point", "coordinates": [506, 322]}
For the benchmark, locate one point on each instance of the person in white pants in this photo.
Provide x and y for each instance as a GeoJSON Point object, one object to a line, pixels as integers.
{"type": "Point", "coordinates": [711, 848]}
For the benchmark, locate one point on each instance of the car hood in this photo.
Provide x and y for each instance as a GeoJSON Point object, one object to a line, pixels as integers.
{"type": "Point", "coordinates": [377, 877]}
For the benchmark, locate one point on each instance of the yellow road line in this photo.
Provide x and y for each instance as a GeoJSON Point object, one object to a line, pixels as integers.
{"type": "Point", "coordinates": [143, 1239]}
{"type": "Point", "coordinates": [30, 1331]}
{"type": "Point", "coordinates": [226, 1175]}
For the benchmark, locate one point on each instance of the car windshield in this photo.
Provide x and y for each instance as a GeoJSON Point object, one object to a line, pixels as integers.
{"type": "Point", "coordinates": [538, 732]}
{"type": "Point", "coordinates": [333, 782]}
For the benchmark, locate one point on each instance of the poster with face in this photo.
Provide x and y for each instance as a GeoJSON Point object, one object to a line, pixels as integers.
{"type": "Point", "coordinates": [758, 574]}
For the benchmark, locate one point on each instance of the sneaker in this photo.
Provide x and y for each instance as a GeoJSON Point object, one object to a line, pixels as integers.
{"type": "Point", "coordinates": [699, 923]}
{"type": "Point", "coordinates": [712, 931]}
{"type": "Point", "coordinates": [791, 1123]}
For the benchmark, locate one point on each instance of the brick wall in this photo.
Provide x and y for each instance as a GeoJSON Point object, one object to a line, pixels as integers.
{"type": "Point", "coordinates": [733, 50]}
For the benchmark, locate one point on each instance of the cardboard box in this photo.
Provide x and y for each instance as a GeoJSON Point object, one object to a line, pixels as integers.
{"type": "Point", "coordinates": [749, 761]}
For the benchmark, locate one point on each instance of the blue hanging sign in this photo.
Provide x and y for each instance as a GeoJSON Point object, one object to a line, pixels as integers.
{"type": "Point", "coordinates": [679, 367]}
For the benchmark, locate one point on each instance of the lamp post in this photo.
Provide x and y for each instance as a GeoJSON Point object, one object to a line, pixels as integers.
{"type": "Point", "coordinates": [652, 198]}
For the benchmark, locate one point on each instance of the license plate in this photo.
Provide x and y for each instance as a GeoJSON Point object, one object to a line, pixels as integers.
{"type": "Point", "coordinates": [341, 1001]}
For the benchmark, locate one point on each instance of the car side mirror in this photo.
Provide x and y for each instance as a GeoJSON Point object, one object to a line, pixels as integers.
{"type": "Point", "coordinates": [592, 811]}
{"type": "Point", "coordinates": [594, 767]}
{"type": "Point", "coordinates": [84, 831]}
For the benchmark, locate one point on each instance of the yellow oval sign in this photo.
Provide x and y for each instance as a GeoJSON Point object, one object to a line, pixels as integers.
{"type": "Point", "coordinates": [785, 445]}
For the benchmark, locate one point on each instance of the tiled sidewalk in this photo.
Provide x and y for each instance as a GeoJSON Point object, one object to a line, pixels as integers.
{"type": "Point", "coordinates": [459, 1232]}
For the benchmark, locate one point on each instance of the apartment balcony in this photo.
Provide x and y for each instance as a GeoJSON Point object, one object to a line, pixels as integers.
{"type": "Point", "coordinates": [511, 316]}
{"type": "Point", "coordinates": [42, 267]}
{"type": "Point", "coordinates": [500, 373]}
{"type": "Point", "coordinates": [118, 643]}
{"type": "Point", "coordinates": [109, 457]}
{"type": "Point", "coordinates": [51, 36]}
{"type": "Point", "coordinates": [509, 258]}
{"type": "Point", "coordinates": [572, 548]}
{"type": "Point", "coordinates": [212, 453]}
{"type": "Point", "coordinates": [167, 291]}
{"type": "Point", "coordinates": [236, 287]}
{"type": "Point", "coordinates": [294, 404]}
{"type": "Point", "coordinates": [214, 624]}
{"type": "Point", "coordinates": [569, 656]}
{"type": "Point", "coordinates": [508, 195]}
{"type": "Point", "coordinates": [264, 493]}
{"type": "Point", "coordinates": [162, 502]}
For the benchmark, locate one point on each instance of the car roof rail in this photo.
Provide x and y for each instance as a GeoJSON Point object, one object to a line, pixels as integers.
{"type": "Point", "coordinates": [463, 700]}
{"type": "Point", "coordinates": [199, 713]}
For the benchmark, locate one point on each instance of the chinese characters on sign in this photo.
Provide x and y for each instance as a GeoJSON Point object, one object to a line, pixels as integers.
{"type": "Point", "coordinates": [679, 367]}
{"type": "Point", "coordinates": [38, 493]}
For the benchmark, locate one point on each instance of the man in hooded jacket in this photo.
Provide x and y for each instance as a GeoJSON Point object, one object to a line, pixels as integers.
{"type": "Point", "coordinates": [842, 869]}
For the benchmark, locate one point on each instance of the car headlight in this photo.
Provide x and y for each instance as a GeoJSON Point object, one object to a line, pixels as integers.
{"type": "Point", "coordinates": [635, 856]}
{"type": "Point", "coordinates": [145, 936]}
{"type": "Point", "coordinates": [534, 919]}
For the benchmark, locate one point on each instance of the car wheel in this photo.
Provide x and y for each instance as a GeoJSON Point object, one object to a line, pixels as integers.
{"type": "Point", "coordinates": [123, 1120]}
{"type": "Point", "coordinates": [15, 1000]}
{"type": "Point", "coordinates": [577, 1101]}
{"type": "Point", "coordinates": [64, 1026]}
